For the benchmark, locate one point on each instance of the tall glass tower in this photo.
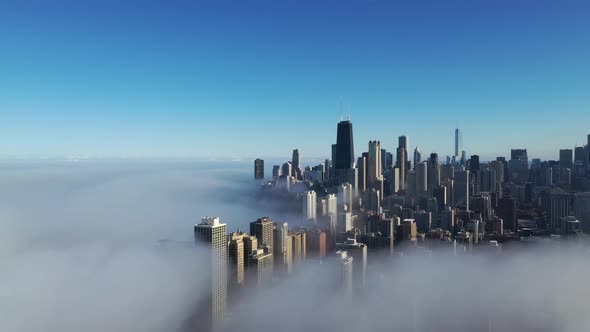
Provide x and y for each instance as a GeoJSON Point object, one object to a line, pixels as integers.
{"type": "Point", "coordinates": [344, 146]}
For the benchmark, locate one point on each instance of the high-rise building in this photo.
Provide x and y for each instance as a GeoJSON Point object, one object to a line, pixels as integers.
{"type": "Point", "coordinates": [423, 221]}
{"type": "Point", "coordinates": [344, 158]}
{"type": "Point", "coordinates": [361, 165]}
{"type": "Point", "coordinates": [298, 245]}
{"type": "Point", "coordinates": [401, 165]}
{"type": "Point", "coordinates": [316, 243]}
{"type": "Point", "coordinates": [358, 251]}
{"type": "Point", "coordinates": [461, 193]}
{"type": "Point", "coordinates": [309, 205]}
{"type": "Point", "coordinates": [236, 258]}
{"type": "Point", "coordinates": [374, 171]}
{"type": "Point", "coordinates": [433, 173]}
{"type": "Point", "coordinates": [283, 257]}
{"type": "Point", "coordinates": [394, 179]}
{"type": "Point", "coordinates": [287, 169]}
{"type": "Point", "coordinates": [421, 178]}
{"type": "Point", "coordinates": [474, 164]}
{"type": "Point", "coordinates": [276, 171]}
{"type": "Point", "coordinates": [458, 142]}
{"type": "Point", "coordinates": [259, 169]}
{"type": "Point", "coordinates": [411, 184]}
{"type": "Point", "coordinates": [447, 219]}
{"type": "Point", "coordinates": [212, 233]}
{"type": "Point", "coordinates": [519, 166]}
{"type": "Point", "coordinates": [566, 157]}
{"type": "Point", "coordinates": [582, 209]}
{"type": "Point", "coordinates": [417, 157]}
{"type": "Point", "coordinates": [404, 142]}
{"type": "Point", "coordinates": [558, 207]}
{"type": "Point", "coordinates": [263, 230]}
{"type": "Point", "coordinates": [261, 266]}
{"type": "Point", "coordinates": [498, 167]}
{"type": "Point", "coordinates": [345, 195]}
{"type": "Point", "coordinates": [345, 271]}
{"type": "Point", "coordinates": [296, 163]}
{"type": "Point", "coordinates": [371, 200]}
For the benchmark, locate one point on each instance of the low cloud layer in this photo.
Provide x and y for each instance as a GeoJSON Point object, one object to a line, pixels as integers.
{"type": "Point", "coordinates": [108, 247]}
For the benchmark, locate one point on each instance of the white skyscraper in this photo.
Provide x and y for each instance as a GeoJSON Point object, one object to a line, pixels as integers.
{"type": "Point", "coordinates": [374, 171]}
{"type": "Point", "coordinates": [213, 235]}
{"type": "Point", "coordinates": [458, 143]}
{"type": "Point", "coordinates": [308, 205]}
{"type": "Point", "coordinates": [329, 205]}
{"type": "Point", "coordinates": [345, 195]}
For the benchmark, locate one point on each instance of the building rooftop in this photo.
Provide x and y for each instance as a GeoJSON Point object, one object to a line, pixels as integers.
{"type": "Point", "coordinates": [209, 221]}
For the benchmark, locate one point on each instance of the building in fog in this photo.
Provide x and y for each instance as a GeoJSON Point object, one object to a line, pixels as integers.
{"type": "Point", "coordinates": [282, 254]}
{"type": "Point", "coordinates": [262, 229]}
{"type": "Point", "coordinates": [259, 169]}
{"type": "Point", "coordinates": [212, 235]}
{"type": "Point", "coordinates": [236, 255]}
{"type": "Point", "coordinates": [261, 267]}
{"type": "Point", "coordinates": [309, 205]}
{"type": "Point", "coordinates": [345, 270]}
{"type": "Point", "coordinates": [358, 251]}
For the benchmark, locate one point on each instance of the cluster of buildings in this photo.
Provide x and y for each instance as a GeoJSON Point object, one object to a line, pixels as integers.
{"type": "Point", "coordinates": [389, 204]}
{"type": "Point", "coordinates": [502, 199]}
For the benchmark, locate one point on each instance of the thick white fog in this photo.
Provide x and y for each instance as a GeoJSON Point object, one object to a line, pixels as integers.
{"type": "Point", "coordinates": [107, 246]}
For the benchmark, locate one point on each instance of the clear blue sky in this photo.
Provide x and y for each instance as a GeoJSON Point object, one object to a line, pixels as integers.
{"type": "Point", "coordinates": [249, 79]}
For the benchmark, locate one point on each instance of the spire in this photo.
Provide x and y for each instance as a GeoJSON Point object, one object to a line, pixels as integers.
{"type": "Point", "coordinates": [348, 112]}
{"type": "Point", "coordinates": [340, 108]}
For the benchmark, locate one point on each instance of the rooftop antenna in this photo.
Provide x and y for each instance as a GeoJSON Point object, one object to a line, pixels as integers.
{"type": "Point", "coordinates": [340, 108]}
{"type": "Point", "coordinates": [348, 111]}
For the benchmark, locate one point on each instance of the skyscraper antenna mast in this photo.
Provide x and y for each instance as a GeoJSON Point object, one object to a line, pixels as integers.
{"type": "Point", "coordinates": [340, 108]}
{"type": "Point", "coordinates": [348, 111]}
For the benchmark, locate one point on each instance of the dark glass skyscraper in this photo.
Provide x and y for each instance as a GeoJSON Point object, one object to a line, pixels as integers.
{"type": "Point", "coordinates": [344, 158]}
{"type": "Point", "coordinates": [259, 169]}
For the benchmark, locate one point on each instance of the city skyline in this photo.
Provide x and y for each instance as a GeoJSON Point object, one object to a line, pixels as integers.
{"type": "Point", "coordinates": [171, 81]}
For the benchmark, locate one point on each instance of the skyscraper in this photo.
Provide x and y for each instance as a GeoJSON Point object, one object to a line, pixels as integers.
{"type": "Point", "coordinates": [283, 256]}
{"type": "Point", "coordinates": [309, 205]}
{"type": "Point", "coordinates": [344, 147]}
{"type": "Point", "coordinates": [403, 142]}
{"type": "Point", "coordinates": [558, 207]}
{"type": "Point", "coordinates": [421, 178]}
{"type": "Point", "coordinates": [461, 194]}
{"type": "Point", "coordinates": [236, 256]}
{"type": "Point", "coordinates": [417, 157]}
{"type": "Point", "coordinates": [401, 165]}
{"type": "Point", "coordinates": [566, 157]}
{"type": "Point", "coordinates": [358, 252]}
{"type": "Point", "coordinates": [212, 233]}
{"type": "Point", "coordinates": [345, 271]}
{"type": "Point", "coordinates": [361, 165]}
{"type": "Point", "coordinates": [259, 169]}
{"type": "Point", "coordinates": [262, 229]}
{"type": "Point", "coordinates": [458, 143]}
{"type": "Point", "coordinates": [519, 166]}
{"type": "Point", "coordinates": [506, 210]}
{"type": "Point", "coordinates": [261, 266]}
{"type": "Point", "coordinates": [296, 163]}
{"type": "Point", "coordinates": [433, 172]}
{"type": "Point", "coordinates": [374, 165]}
